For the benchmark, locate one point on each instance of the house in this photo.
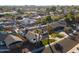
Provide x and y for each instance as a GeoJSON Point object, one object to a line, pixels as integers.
{"type": "Point", "coordinates": [13, 42]}
{"type": "Point", "coordinates": [3, 47]}
{"type": "Point", "coordinates": [13, 12]}
{"type": "Point", "coordinates": [60, 23]}
{"type": "Point", "coordinates": [28, 21]}
{"type": "Point", "coordinates": [1, 27]}
{"type": "Point", "coordinates": [33, 37]}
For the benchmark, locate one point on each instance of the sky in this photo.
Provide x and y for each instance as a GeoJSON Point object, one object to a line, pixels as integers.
{"type": "Point", "coordinates": [39, 2]}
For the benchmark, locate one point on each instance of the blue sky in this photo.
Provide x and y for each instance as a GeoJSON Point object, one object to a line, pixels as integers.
{"type": "Point", "coordinates": [39, 2]}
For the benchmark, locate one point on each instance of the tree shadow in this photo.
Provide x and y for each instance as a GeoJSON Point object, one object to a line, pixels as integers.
{"type": "Point", "coordinates": [59, 47]}
{"type": "Point", "coordinates": [39, 47]}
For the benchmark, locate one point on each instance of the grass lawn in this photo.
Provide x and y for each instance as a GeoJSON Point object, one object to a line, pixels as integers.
{"type": "Point", "coordinates": [54, 35]}
{"type": "Point", "coordinates": [57, 35]}
{"type": "Point", "coordinates": [45, 41]}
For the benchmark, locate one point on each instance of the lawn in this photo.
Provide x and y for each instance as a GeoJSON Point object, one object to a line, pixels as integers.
{"type": "Point", "coordinates": [45, 41]}
{"type": "Point", "coordinates": [54, 35]}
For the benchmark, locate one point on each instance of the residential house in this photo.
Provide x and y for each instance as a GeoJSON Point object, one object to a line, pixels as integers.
{"type": "Point", "coordinates": [28, 21]}
{"type": "Point", "coordinates": [3, 47]}
{"type": "Point", "coordinates": [13, 42]}
{"type": "Point", "coordinates": [60, 23]}
{"type": "Point", "coordinates": [33, 37]}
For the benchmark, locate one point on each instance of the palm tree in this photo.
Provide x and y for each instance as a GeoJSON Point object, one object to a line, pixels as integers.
{"type": "Point", "coordinates": [39, 32]}
{"type": "Point", "coordinates": [48, 29]}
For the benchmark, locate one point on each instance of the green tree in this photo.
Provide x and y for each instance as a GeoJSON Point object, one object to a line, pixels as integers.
{"type": "Point", "coordinates": [43, 21]}
{"type": "Point", "coordinates": [53, 8]}
{"type": "Point", "coordinates": [48, 11]}
{"type": "Point", "coordinates": [39, 21]}
{"type": "Point", "coordinates": [39, 31]}
{"type": "Point", "coordinates": [20, 11]}
{"type": "Point", "coordinates": [48, 19]}
{"type": "Point", "coordinates": [68, 19]}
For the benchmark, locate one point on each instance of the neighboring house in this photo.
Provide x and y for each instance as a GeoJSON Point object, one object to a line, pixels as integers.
{"type": "Point", "coordinates": [13, 12]}
{"type": "Point", "coordinates": [3, 35]}
{"type": "Point", "coordinates": [3, 47]}
{"type": "Point", "coordinates": [8, 22]}
{"type": "Point", "coordinates": [60, 23]}
{"type": "Point", "coordinates": [13, 42]}
{"type": "Point", "coordinates": [28, 21]}
{"type": "Point", "coordinates": [22, 32]}
{"type": "Point", "coordinates": [33, 37]}
{"type": "Point", "coordinates": [1, 27]}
